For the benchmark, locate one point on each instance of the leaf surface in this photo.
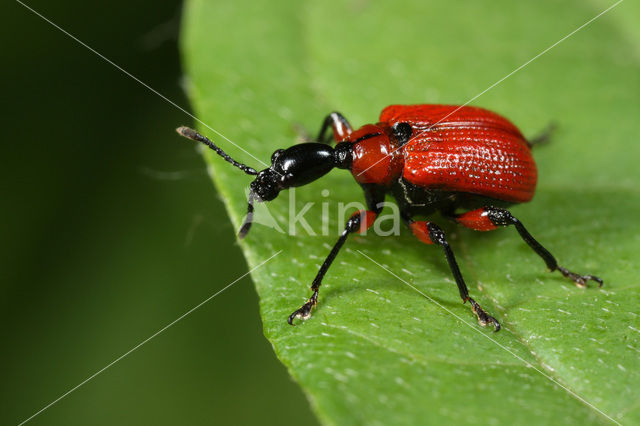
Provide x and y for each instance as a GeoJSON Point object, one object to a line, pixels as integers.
{"type": "Point", "coordinates": [376, 351]}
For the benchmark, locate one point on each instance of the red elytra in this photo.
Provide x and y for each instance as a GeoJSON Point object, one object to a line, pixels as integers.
{"type": "Point", "coordinates": [466, 163]}
{"type": "Point", "coordinates": [464, 149]}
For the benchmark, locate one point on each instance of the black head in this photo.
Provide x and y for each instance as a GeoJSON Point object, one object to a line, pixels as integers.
{"type": "Point", "coordinates": [294, 166]}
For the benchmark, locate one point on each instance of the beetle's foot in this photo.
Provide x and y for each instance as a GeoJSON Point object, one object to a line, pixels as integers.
{"type": "Point", "coordinates": [580, 280]}
{"type": "Point", "coordinates": [304, 312]}
{"type": "Point", "coordinates": [483, 317]}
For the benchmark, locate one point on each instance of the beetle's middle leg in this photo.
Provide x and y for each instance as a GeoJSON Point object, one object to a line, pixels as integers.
{"type": "Point", "coordinates": [489, 218]}
{"type": "Point", "coordinates": [430, 233]}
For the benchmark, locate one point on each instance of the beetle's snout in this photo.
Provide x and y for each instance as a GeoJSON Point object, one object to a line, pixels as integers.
{"type": "Point", "coordinates": [265, 185]}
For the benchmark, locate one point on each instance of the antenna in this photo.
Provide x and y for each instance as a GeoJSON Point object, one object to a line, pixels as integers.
{"type": "Point", "coordinates": [195, 136]}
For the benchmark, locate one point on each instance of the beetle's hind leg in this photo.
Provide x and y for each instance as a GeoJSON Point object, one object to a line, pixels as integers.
{"type": "Point", "coordinates": [544, 136]}
{"type": "Point", "coordinates": [489, 218]}
{"type": "Point", "coordinates": [430, 233]}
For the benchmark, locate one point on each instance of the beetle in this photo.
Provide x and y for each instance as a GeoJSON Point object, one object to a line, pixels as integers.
{"type": "Point", "coordinates": [467, 163]}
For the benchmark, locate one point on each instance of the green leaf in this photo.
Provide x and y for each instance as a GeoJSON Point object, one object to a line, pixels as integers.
{"type": "Point", "coordinates": [375, 350]}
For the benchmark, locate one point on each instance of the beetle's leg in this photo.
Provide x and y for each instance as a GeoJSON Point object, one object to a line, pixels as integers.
{"type": "Point", "coordinates": [544, 136]}
{"type": "Point", "coordinates": [489, 218]}
{"type": "Point", "coordinates": [339, 124]}
{"type": "Point", "coordinates": [430, 233]}
{"type": "Point", "coordinates": [359, 222]}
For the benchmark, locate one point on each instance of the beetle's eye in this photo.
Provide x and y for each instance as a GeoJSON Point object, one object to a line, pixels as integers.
{"type": "Point", "coordinates": [275, 155]}
{"type": "Point", "coordinates": [402, 132]}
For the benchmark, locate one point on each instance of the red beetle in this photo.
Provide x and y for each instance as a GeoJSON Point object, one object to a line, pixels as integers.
{"type": "Point", "coordinates": [465, 162]}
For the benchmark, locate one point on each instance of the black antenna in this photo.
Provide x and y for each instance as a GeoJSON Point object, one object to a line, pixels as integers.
{"type": "Point", "coordinates": [246, 226]}
{"type": "Point", "coordinates": [193, 135]}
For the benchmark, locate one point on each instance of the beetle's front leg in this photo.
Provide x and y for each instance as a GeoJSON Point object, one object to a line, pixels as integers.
{"type": "Point", "coordinates": [359, 222]}
{"type": "Point", "coordinates": [340, 126]}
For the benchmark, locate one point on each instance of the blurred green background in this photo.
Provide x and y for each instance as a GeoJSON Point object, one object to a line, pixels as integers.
{"type": "Point", "coordinates": [111, 229]}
